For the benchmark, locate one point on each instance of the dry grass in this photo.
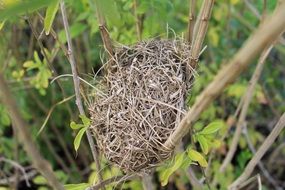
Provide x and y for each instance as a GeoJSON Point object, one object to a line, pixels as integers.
{"type": "Point", "coordinates": [142, 103]}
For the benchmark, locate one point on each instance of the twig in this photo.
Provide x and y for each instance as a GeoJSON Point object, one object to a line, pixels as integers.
{"type": "Point", "coordinates": [200, 30]}
{"type": "Point", "coordinates": [259, 154]}
{"type": "Point", "coordinates": [191, 21]}
{"type": "Point", "coordinates": [77, 86]}
{"type": "Point", "coordinates": [25, 137]}
{"type": "Point", "coordinates": [260, 164]}
{"type": "Point", "coordinates": [12, 179]}
{"type": "Point", "coordinates": [265, 35]}
{"type": "Point", "coordinates": [139, 23]}
{"type": "Point", "coordinates": [116, 179]}
{"type": "Point", "coordinates": [246, 102]}
{"type": "Point", "coordinates": [103, 29]}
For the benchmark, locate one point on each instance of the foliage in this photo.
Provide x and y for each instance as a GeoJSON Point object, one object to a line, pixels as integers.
{"type": "Point", "coordinates": [29, 69]}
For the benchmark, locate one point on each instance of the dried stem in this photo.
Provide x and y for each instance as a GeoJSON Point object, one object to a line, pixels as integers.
{"type": "Point", "coordinates": [246, 101]}
{"type": "Point", "coordinates": [139, 19]}
{"type": "Point", "coordinates": [25, 137]}
{"type": "Point", "coordinates": [116, 179]}
{"type": "Point", "coordinates": [200, 30]}
{"type": "Point", "coordinates": [265, 35]}
{"type": "Point", "coordinates": [77, 86]}
{"type": "Point", "coordinates": [103, 29]}
{"type": "Point", "coordinates": [192, 21]}
{"type": "Point", "coordinates": [259, 154]}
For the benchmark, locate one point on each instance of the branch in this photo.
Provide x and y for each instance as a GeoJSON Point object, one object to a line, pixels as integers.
{"type": "Point", "coordinates": [76, 87]}
{"type": "Point", "coordinates": [192, 21]}
{"type": "Point", "coordinates": [200, 31]}
{"type": "Point", "coordinates": [25, 137]}
{"type": "Point", "coordinates": [246, 101]}
{"type": "Point", "coordinates": [103, 29]}
{"type": "Point", "coordinates": [139, 21]}
{"type": "Point", "coordinates": [259, 154]}
{"type": "Point", "coordinates": [265, 35]}
{"type": "Point", "coordinates": [116, 179]}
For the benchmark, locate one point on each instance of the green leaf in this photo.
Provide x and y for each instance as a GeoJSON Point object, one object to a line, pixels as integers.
{"type": "Point", "coordinates": [75, 126]}
{"type": "Point", "coordinates": [178, 161]}
{"type": "Point", "coordinates": [78, 138]}
{"type": "Point", "coordinates": [212, 128]}
{"type": "Point", "coordinates": [50, 14]}
{"type": "Point", "coordinates": [23, 7]}
{"type": "Point", "coordinates": [40, 180]}
{"type": "Point", "coordinates": [203, 143]}
{"type": "Point", "coordinates": [79, 186]}
{"type": "Point", "coordinates": [196, 156]}
{"type": "Point", "coordinates": [30, 65]}
{"type": "Point", "coordinates": [2, 24]}
{"type": "Point", "coordinates": [85, 120]}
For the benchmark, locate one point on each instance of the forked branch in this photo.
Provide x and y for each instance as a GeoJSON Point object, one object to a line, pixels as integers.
{"type": "Point", "coordinates": [265, 35]}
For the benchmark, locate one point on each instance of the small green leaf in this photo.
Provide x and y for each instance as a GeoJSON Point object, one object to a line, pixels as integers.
{"type": "Point", "coordinates": [203, 143]}
{"type": "Point", "coordinates": [75, 30]}
{"type": "Point", "coordinates": [79, 186]}
{"type": "Point", "coordinates": [30, 65]}
{"type": "Point", "coordinates": [212, 127]}
{"type": "Point", "coordinates": [178, 161]}
{"type": "Point", "coordinates": [85, 120]}
{"type": "Point", "coordinates": [40, 180]}
{"type": "Point", "coordinates": [78, 138]}
{"type": "Point", "coordinates": [50, 14]}
{"type": "Point", "coordinates": [196, 156]}
{"type": "Point", "coordinates": [75, 126]}
{"type": "Point", "coordinates": [2, 24]}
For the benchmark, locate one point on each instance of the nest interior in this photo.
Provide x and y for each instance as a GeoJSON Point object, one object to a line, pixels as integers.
{"type": "Point", "coordinates": [140, 103]}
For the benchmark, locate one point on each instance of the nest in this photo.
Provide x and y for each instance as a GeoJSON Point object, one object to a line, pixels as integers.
{"type": "Point", "coordinates": [140, 103]}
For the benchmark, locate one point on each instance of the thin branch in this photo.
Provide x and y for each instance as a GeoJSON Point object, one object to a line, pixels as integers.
{"type": "Point", "coordinates": [139, 19]}
{"type": "Point", "coordinates": [116, 179]}
{"type": "Point", "coordinates": [103, 29]}
{"type": "Point", "coordinates": [246, 102]}
{"type": "Point", "coordinates": [265, 35]}
{"type": "Point", "coordinates": [77, 86]}
{"type": "Point", "coordinates": [200, 31]}
{"type": "Point", "coordinates": [191, 21]}
{"type": "Point", "coordinates": [259, 154]}
{"type": "Point", "coordinates": [25, 138]}
{"type": "Point", "coordinates": [261, 166]}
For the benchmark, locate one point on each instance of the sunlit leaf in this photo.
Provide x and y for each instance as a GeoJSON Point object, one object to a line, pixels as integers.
{"type": "Point", "coordinates": [78, 138]}
{"type": "Point", "coordinates": [50, 14]}
{"type": "Point", "coordinates": [178, 161]}
{"type": "Point", "coordinates": [203, 143]}
{"type": "Point", "coordinates": [79, 186]}
{"type": "Point", "coordinates": [212, 127]}
{"type": "Point", "coordinates": [196, 156]}
{"type": "Point", "coordinates": [85, 120]}
{"type": "Point", "coordinates": [75, 126]}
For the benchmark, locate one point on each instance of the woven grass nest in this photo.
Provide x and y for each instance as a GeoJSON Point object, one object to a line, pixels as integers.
{"type": "Point", "coordinates": [140, 103]}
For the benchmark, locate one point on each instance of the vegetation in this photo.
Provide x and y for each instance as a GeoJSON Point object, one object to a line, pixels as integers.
{"type": "Point", "coordinates": [232, 130]}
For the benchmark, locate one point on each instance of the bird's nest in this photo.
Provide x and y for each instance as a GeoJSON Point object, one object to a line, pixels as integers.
{"type": "Point", "coordinates": [140, 102]}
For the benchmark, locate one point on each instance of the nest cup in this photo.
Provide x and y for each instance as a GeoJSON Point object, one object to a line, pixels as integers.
{"type": "Point", "coordinates": [140, 102]}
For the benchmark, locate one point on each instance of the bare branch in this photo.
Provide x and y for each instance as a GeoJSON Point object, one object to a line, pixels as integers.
{"type": "Point", "coordinates": [259, 154]}
{"type": "Point", "coordinates": [246, 101]}
{"type": "Point", "coordinates": [25, 138]}
{"type": "Point", "coordinates": [77, 86]}
{"type": "Point", "coordinates": [264, 36]}
{"type": "Point", "coordinates": [192, 21]}
{"type": "Point", "coordinates": [200, 31]}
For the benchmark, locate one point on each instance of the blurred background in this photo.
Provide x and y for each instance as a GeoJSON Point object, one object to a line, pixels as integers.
{"type": "Point", "coordinates": [30, 60]}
